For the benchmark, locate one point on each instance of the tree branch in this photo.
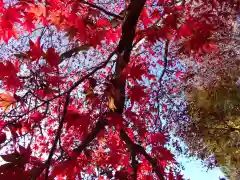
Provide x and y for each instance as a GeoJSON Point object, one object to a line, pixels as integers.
{"type": "Point", "coordinates": [124, 50]}
{"type": "Point", "coordinates": [165, 61]}
{"type": "Point", "coordinates": [91, 135]}
{"type": "Point", "coordinates": [161, 76]}
{"type": "Point", "coordinates": [102, 9]}
{"type": "Point", "coordinates": [98, 128]}
{"type": "Point", "coordinates": [125, 45]}
{"type": "Point", "coordinates": [134, 164]}
{"type": "Point", "coordinates": [129, 28]}
{"type": "Point", "coordinates": [139, 149]}
{"type": "Point", "coordinates": [59, 130]}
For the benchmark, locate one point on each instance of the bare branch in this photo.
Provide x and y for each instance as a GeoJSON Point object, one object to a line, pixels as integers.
{"type": "Point", "coordinates": [165, 61]}
{"type": "Point", "coordinates": [59, 131]}
{"type": "Point", "coordinates": [98, 128]}
{"type": "Point", "coordinates": [102, 10]}
{"type": "Point", "coordinates": [139, 149]}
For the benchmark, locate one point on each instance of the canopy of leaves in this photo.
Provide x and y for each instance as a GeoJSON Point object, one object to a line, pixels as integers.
{"type": "Point", "coordinates": [89, 84]}
{"type": "Point", "coordinates": [211, 128]}
{"type": "Point", "coordinates": [215, 126]}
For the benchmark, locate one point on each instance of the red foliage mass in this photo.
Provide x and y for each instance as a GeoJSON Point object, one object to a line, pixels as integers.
{"type": "Point", "coordinates": [65, 121]}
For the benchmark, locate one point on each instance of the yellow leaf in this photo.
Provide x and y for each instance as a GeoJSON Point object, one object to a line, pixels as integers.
{"type": "Point", "coordinates": [111, 104]}
{"type": "Point", "coordinates": [6, 100]}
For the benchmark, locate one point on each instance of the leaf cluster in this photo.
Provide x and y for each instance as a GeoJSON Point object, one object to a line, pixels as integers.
{"type": "Point", "coordinates": [215, 114]}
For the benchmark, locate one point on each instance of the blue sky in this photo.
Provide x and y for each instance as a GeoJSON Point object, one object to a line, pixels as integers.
{"type": "Point", "coordinates": [194, 170]}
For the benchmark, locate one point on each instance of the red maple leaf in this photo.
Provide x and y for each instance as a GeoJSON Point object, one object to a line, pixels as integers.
{"type": "Point", "coordinates": [8, 69]}
{"type": "Point", "coordinates": [163, 154]}
{"type": "Point", "coordinates": [3, 138]}
{"type": "Point", "coordinates": [11, 15]}
{"type": "Point", "coordinates": [171, 175]}
{"type": "Point", "coordinates": [79, 122]}
{"type": "Point", "coordinates": [178, 74]}
{"type": "Point", "coordinates": [157, 139]}
{"type": "Point", "coordinates": [69, 167]}
{"type": "Point", "coordinates": [52, 57]}
{"type": "Point", "coordinates": [29, 22]}
{"type": "Point", "coordinates": [136, 93]}
{"type": "Point", "coordinates": [137, 71]}
{"type": "Point", "coordinates": [185, 31]}
{"type": "Point", "coordinates": [115, 119]}
{"type": "Point", "coordinates": [35, 52]}
{"type": "Point", "coordinates": [36, 117]}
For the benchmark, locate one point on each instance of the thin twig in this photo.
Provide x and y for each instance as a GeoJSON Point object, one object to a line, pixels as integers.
{"type": "Point", "coordinates": [165, 61]}
{"type": "Point", "coordinates": [59, 130]}
{"type": "Point", "coordinates": [102, 10]}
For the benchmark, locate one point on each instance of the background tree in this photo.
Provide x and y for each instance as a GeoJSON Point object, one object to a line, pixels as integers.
{"type": "Point", "coordinates": [213, 100]}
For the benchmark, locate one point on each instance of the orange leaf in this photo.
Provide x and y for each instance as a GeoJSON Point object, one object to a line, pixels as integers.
{"type": "Point", "coordinates": [111, 104]}
{"type": "Point", "coordinates": [90, 95]}
{"type": "Point", "coordinates": [6, 100]}
{"type": "Point", "coordinates": [38, 10]}
{"type": "Point", "coordinates": [56, 19]}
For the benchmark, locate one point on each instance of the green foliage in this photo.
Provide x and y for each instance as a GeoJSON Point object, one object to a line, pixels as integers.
{"type": "Point", "coordinates": [215, 114]}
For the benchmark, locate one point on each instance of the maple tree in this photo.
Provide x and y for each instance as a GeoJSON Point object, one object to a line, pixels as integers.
{"type": "Point", "coordinates": [83, 96]}
{"type": "Point", "coordinates": [212, 95]}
